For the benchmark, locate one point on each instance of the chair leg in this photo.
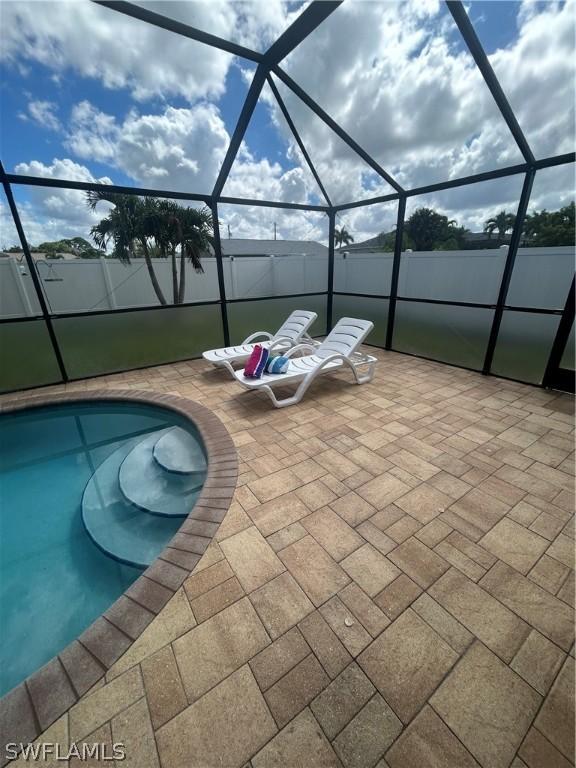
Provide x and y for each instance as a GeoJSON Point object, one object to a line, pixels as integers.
{"type": "Point", "coordinates": [286, 401]}
{"type": "Point", "coordinates": [228, 366]}
{"type": "Point", "coordinates": [366, 377]}
{"type": "Point", "coordinates": [296, 397]}
{"type": "Point", "coordinates": [361, 378]}
{"type": "Point", "coordinates": [309, 378]}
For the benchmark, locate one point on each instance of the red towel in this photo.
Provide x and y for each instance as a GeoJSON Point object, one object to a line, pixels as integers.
{"type": "Point", "coordinates": [256, 363]}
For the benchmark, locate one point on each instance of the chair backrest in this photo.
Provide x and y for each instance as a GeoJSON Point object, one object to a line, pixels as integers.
{"type": "Point", "coordinates": [345, 337]}
{"type": "Point", "coordinates": [296, 325]}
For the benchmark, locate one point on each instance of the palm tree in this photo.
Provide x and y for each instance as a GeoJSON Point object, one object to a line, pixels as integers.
{"type": "Point", "coordinates": [129, 223]}
{"type": "Point", "coordinates": [195, 232]}
{"type": "Point", "coordinates": [188, 230]}
{"type": "Point", "coordinates": [502, 223]}
{"type": "Point", "coordinates": [158, 228]}
{"type": "Point", "coordinates": [342, 237]}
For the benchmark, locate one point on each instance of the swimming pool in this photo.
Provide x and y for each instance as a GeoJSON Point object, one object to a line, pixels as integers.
{"type": "Point", "coordinates": [90, 494]}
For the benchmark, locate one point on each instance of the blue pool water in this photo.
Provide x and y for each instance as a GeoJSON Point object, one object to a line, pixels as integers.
{"type": "Point", "coordinates": [72, 535]}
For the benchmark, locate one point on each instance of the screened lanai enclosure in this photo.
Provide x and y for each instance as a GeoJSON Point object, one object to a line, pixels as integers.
{"type": "Point", "coordinates": [177, 175]}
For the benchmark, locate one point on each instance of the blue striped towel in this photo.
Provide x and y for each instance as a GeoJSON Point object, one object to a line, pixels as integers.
{"type": "Point", "coordinates": [277, 364]}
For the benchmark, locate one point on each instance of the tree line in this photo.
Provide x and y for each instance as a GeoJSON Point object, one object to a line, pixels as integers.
{"type": "Point", "coordinates": [56, 249]}
{"type": "Point", "coordinates": [428, 230]}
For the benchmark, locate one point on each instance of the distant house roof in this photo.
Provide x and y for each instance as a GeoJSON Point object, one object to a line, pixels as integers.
{"type": "Point", "coordinates": [373, 243]}
{"type": "Point", "coordinates": [481, 237]}
{"type": "Point", "coordinates": [249, 247]}
{"type": "Point", "coordinates": [477, 239]}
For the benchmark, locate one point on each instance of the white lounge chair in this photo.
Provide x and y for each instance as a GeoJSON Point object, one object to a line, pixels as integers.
{"type": "Point", "coordinates": [291, 332]}
{"type": "Point", "coordinates": [338, 351]}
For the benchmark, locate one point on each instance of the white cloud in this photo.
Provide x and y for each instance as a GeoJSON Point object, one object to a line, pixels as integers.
{"type": "Point", "coordinates": [472, 204]}
{"type": "Point", "coordinates": [44, 113]}
{"type": "Point", "coordinates": [9, 235]}
{"type": "Point", "coordinates": [96, 42]}
{"type": "Point", "coordinates": [538, 75]}
{"type": "Point", "coordinates": [174, 148]}
{"type": "Point", "coordinates": [344, 174]}
{"type": "Point", "coordinates": [432, 120]}
{"type": "Point", "coordinates": [51, 213]}
{"type": "Point", "coordinates": [261, 22]}
{"type": "Point", "coordinates": [93, 134]}
{"type": "Point", "coordinates": [553, 188]}
{"type": "Point", "coordinates": [247, 221]}
{"type": "Point", "coordinates": [178, 149]}
{"type": "Point", "coordinates": [256, 24]}
{"type": "Point", "coordinates": [391, 75]}
{"type": "Point", "coordinates": [369, 221]}
{"type": "Point", "coordinates": [265, 180]}
{"type": "Point", "coordinates": [183, 150]}
{"type": "Point", "coordinates": [396, 77]}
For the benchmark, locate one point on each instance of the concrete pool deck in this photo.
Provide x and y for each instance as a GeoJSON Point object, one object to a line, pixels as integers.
{"type": "Point", "coordinates": [392, 585]}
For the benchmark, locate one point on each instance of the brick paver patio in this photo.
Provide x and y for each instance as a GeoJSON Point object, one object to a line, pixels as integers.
{"type": "Point", "coordinates": [393, 584]}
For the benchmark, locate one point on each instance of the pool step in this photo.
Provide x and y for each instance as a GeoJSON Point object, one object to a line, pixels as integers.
{"type": "Point", "coordinates": [145, 483]}
{"type": "Point", "coordinates": [179, 451]}
{"type": "Point", "coordinates": [133, 504]}
{"type": "Point", "coordinates": [117, 527]}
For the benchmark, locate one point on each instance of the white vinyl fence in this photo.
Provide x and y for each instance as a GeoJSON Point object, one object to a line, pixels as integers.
{"type": "Point", "coordinates": [541, 279]}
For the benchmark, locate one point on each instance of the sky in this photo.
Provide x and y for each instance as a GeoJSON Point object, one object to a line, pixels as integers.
{"type": "Point", "coordinates": [89, 94]}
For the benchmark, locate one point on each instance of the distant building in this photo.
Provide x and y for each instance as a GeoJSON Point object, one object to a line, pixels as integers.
{"type": "Point", "coordinates": [372, 245]}
{"type": "Point", "coordinates": [484, 240]}
{"type": "Point", "coordinates": [248, 247]}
